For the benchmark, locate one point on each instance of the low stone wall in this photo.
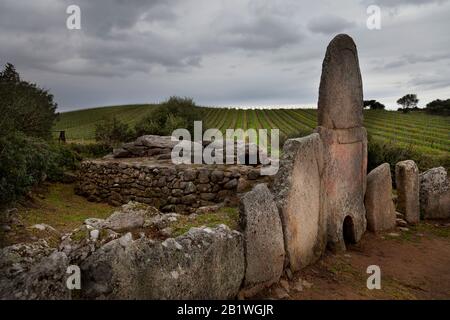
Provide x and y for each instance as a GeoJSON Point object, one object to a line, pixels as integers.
{"type": "Point", "coordinates": [168, 187]}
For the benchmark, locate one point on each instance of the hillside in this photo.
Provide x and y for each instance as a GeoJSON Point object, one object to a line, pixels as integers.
{"type": "Point", "coordinates": [426, 133]}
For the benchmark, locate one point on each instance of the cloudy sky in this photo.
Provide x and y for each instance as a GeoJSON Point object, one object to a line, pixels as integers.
{"type": "Point", "coordinates": [244, 53]}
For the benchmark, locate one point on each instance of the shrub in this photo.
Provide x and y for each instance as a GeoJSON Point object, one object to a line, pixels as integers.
{"type": "Point", "coordinates": [111, 132]}
{"type": "Point", "coordinates": [440, 107]}
{"type": "Point", "coordinates": [172, 114]}
{"type": "Point", "coordinates": [89, 150]}
{"type": "Point", "coordinates": [24, 106]}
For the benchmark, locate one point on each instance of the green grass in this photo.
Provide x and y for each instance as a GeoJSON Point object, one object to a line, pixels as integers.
{"type": "Point", "coordinates": [427, 134]}
{"type": "Point", "coordinates": [226, 215]}
{"type": "Point", "coordinates": [62, 209]}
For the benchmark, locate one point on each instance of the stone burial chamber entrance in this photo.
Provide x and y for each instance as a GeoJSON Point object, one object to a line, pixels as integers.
{"type": "Point", "coordinates": [320, 186]}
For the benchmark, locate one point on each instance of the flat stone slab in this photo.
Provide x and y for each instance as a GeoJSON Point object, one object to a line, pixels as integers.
{"type": "Point", "coordinates": [435, 193]}
{"type": "Point", "coordinates": [380, 209]}
{"type": "Point", "coordinates": [407, 181]}
{"type": "Point", "coordinates": [263, 234]}
{"type": "Point", "coordinates": [298, 191]}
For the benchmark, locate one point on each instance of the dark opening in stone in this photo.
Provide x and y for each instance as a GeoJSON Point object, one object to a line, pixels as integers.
{"type": "Point", "coordinates": [348, 231]}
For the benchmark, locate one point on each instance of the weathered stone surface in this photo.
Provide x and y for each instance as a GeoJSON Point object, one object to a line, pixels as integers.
{"type": "Point", "coordinates": [202, 264]}
{"type": "Point", "coordinates": [344, 139]}
{"type": "Point", "coordinates": [435, 193]}
{"type": "Point", "coordinates": [263, 234]}
{"type": "Point", "coordinates": [297, 189]}
{"type": "Point", "coordinates": [380, 209]}
{"type": "Point", "coordinates": [340, 93]}
{"type": "Point", "coordinates": [131, 215]}
{"type": "Point", "coordinates": [33, 271]}
{"type": "Point", "coordinates": [344, 184]}
{"type": "Point", "coordinates": [407, 181]}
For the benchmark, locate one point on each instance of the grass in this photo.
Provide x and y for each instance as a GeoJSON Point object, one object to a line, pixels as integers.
{"type": "Point", "coordinates": [225, 215]}
{"type": "Point", "coordinates": [62, 209]}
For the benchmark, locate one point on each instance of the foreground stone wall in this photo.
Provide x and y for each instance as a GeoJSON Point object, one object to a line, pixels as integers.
{"type": "Point", "coordinates": [168, 187]}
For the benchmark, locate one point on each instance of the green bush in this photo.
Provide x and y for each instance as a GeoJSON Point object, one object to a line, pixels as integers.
{"type": "Point", "coordinates": [111, 132]}
{"type": "Point", "coordinates": [172, 114]}
{"type": "Point", "coordinates": [89, 150]}
{"type": "Point", "coordinates": [24, 106]}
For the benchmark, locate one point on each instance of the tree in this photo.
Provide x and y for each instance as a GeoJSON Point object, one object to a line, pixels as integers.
{"type": "Point", "coordinates": [373, 105]}
{"type": "Point", "coordinates": [408, 101]}
{"type": "Point", "coordinates": [112, 132]}
{"type": "Point", "coordinates": [441, 107]}
{"type": "Point", "coordinates": [24, 106]}
{"type": "Point", "coordinates": [172, 114]}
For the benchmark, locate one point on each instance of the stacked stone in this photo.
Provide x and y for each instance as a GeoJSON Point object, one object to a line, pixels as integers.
{"type": "Point", "coordinates": [171, 188]}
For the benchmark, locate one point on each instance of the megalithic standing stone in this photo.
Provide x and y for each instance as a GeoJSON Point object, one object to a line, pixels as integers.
{"type": "Point", "coordinates": [345, 143]}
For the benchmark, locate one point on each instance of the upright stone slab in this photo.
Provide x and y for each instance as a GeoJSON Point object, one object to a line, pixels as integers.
{"type": "Point", "coordinates": [407, 181]}
{"type": "Point", "coordinates": [435, 194]}
{"type": "Point", "coordinates": [344, 138]}
{"type": "Point", "coordinates": [263, 235]}
{"type": "Point", "coordinates": [380, 209]}
{"type": "Point", "coordinates": [298, 191]}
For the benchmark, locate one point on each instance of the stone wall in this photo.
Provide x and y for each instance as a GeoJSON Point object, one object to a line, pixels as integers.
{"type": "Point", "coordinates": [168, 187]}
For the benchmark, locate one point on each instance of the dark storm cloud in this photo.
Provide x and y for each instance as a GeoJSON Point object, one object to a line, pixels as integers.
{"type": "Point", "coordinates": [329, 24]}
{"type": "Point", "coordinates": [241, 52]}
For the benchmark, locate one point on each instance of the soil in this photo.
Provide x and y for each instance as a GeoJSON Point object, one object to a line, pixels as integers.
{"type": "Point", "coordinates": [414, 265]}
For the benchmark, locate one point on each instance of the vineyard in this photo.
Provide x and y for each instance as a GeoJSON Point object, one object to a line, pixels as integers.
{"type": "Point", "coordinates": [425, 133]}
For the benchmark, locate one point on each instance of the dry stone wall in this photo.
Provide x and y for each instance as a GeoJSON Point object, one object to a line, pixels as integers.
{"type": "Point", "coordinates": [168, 187]}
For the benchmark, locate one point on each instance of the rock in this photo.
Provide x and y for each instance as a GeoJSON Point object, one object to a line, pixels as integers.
{"type": "Point", "coordinates": [121, 153]}
{"type": "Point", "coordinates": [435, 194]}
{"type": "Point", "coordinates": [289, 274]}
{"type": "Point", "coordinates": [306, 284]}
{"type": "Point", "coordinates": [232, 184]}
{"type": "Point", "coordinates": [399, 215]}
{"type": "Point", "coordinates": [204, 263]}
{"type": "Point", "coordinates": [130, 216]}
{"type": "Point", "coordinates": [94, 234]}
{"type": "Point", "coordinates": [43, 227]}
{"type": "Point", "coordinates": [285, 285]}
{"type": "Point", "coordinates": [33, 271]}
{"type": "Point", "coordinates": [407, 181]}
{"type": "Point", "coordinates": [403, 229]}
{"type": "Point", "coordinates": [166, 232]}
{"type": "Point", "coordinates": [298, 286]}
{"type": "Point", "coordinates": [393, 234]}
{"type": "Point", "coordinates": [340, 93]}
{"type": "Point", "coordinates": [344, 142]}
{"type": "Point", "coordinates": [263, 235]}
{"type": "Point", "coordinates": [5, 228]}
{"type": "Point", "coordinates": [380, 210]}
{"type": "Point", "coordinates": [208, 209]}
{"type": "Point", "coordinates": [297, 190]}
{"type": "Point", "coordinates": [281, 294]}
{"type": "Point", "coordinates": [401, 222]}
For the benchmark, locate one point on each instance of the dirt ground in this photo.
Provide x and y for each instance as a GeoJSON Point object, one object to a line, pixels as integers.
{"type": "Point", "coordinates": [414, 265]}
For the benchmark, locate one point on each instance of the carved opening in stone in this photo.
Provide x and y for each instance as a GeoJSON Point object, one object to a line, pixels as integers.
{"type": "Point", "coordinates": [348, 230]}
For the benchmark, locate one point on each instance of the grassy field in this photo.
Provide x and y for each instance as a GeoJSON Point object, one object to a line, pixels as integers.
{"type": "Point", "coordinates": [425, 133]}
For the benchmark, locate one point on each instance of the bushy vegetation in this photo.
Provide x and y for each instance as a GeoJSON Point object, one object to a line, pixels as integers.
{"type": "Point", "coordinates": [373, 105]}
{"type": "Point", "coordinates": [408, 102]}
{"type": "Point", "coordinates": [441, 107]}
{"type": "Point", "coordinates": [112, 132]}
{"type": "Point", "coordinates": [27, 156]}
{"type": "Point", "coordinates": [172, 114]}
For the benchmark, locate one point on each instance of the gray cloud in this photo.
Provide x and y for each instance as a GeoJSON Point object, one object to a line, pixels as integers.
{"type": "Point", "coordinates": [224, 52]}
{"type": "Point", "coordinates": [329, 24]}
